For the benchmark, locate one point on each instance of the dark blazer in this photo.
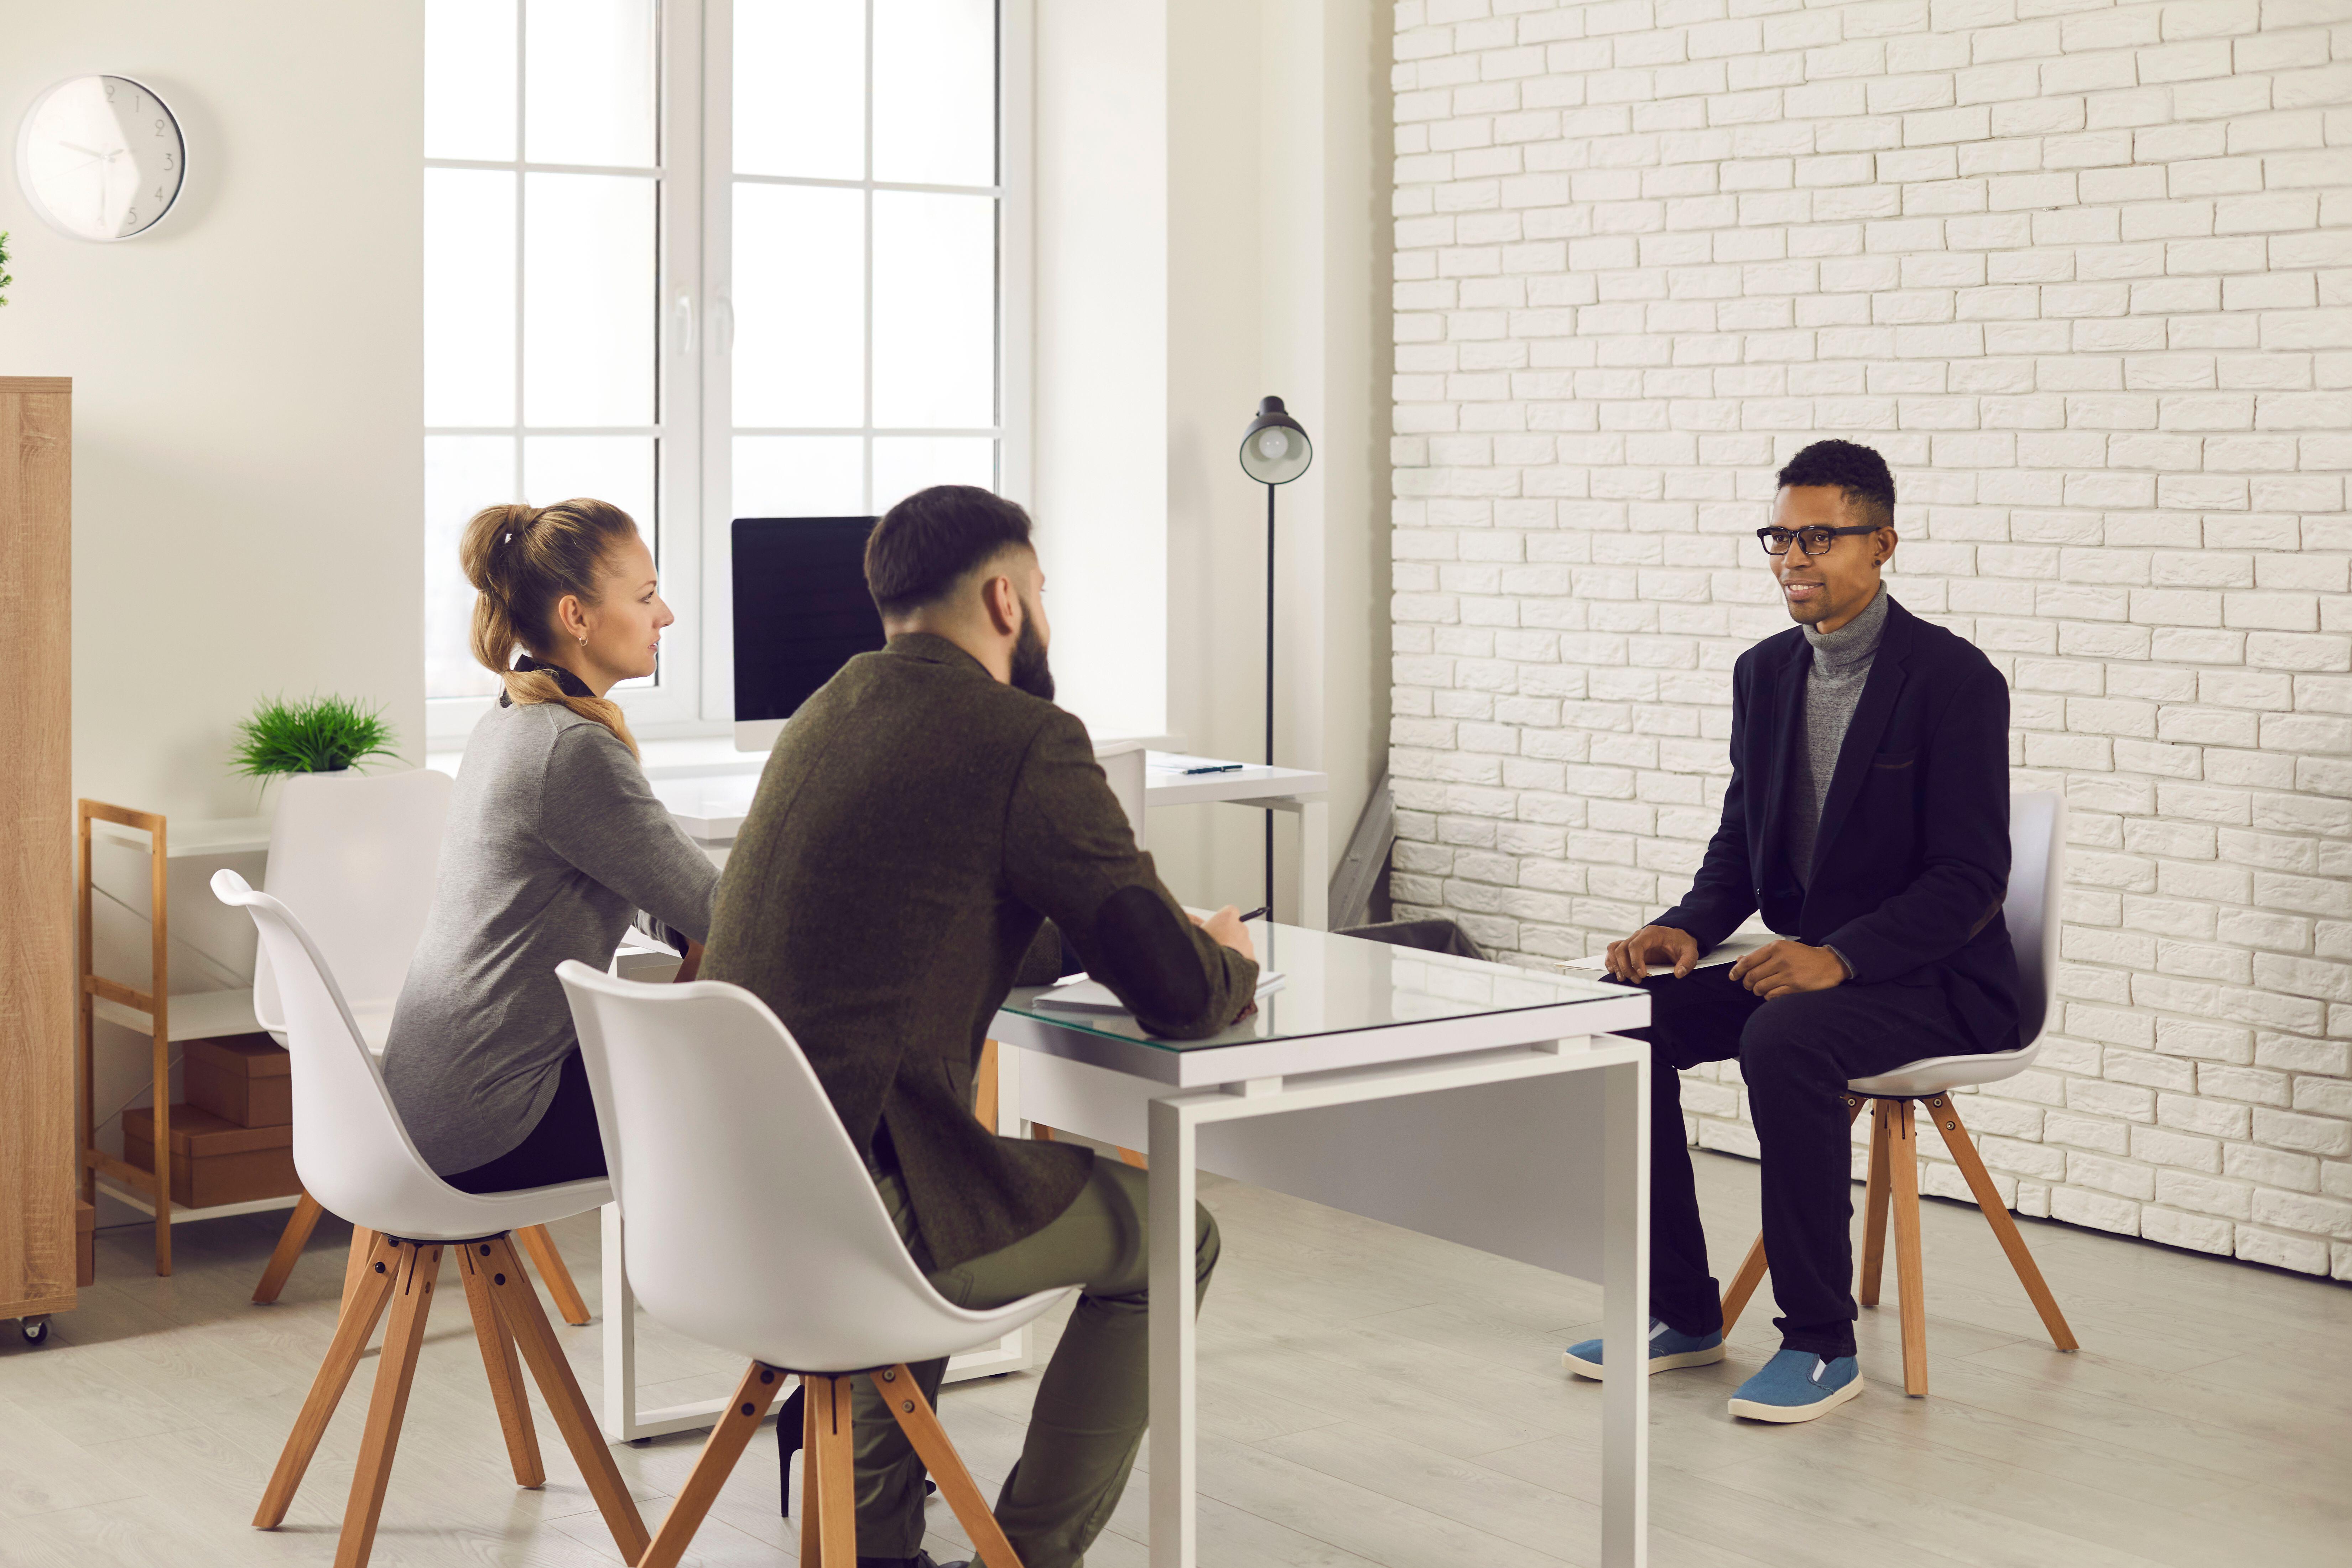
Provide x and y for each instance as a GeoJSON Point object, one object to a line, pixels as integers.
{"type": "Point", "coordinates": [916, 824]}
{"type": "Point", "coordinates": [1911, 862]}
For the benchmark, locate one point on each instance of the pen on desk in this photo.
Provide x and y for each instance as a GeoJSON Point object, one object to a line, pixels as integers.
{"type": "Point", "coordinates": [1214, 768]}
{"type": "Point", "coordinates": [1257, 914]}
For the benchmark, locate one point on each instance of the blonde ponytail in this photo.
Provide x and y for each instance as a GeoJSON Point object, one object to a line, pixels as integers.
{"type": "Point", "coordinates": [521, 560]}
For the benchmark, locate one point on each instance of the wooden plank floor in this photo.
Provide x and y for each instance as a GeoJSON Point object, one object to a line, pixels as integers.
{"type": "Point", "coordinates": [1368, 1396]}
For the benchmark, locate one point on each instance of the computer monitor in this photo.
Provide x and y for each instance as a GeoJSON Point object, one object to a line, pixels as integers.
{"type": "Point", "coordinates": [802, 612]}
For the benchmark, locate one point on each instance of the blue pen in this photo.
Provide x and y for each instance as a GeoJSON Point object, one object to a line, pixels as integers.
{"type": "Point", "coordinates": [1214, 768]}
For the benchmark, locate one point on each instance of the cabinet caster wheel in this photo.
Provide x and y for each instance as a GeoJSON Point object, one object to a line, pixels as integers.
{"type": "Point", "coordinates": [35, 1330]}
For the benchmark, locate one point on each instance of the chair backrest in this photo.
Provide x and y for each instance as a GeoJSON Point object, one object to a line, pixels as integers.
{"type": "Point", "coordinates": [356, 856]}
{"type": "Point", "coordinates": [349, 1149]}
{"type": "Point", "coordinates": [2037, 881]}
{"type": "Point", "coordinates": [753, 1221]}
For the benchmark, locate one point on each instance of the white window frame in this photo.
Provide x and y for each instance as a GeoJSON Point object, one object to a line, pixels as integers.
{"type": "Point", "coordinates": [693, 390]}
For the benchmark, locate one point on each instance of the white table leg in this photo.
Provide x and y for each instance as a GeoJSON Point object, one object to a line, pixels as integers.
{"type": "Point", "coordinates": [1173, 1460]}
{"type": "Point", "coordinates": [620, 1326]}
{"type": "Point", "coordinates": [1315, 865]}
{"type": "Point", "coordinates": [1624, 1317]}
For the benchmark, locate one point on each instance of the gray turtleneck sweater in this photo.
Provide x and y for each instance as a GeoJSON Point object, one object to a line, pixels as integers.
{"type": "Point", "coordinates": [1834, 683]}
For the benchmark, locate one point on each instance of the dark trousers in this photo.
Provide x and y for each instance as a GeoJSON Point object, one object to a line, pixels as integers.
{"type": "Point", "coordinates": [1796, 1055]}
{"type": "Point", "coordinates": [564, 1145]}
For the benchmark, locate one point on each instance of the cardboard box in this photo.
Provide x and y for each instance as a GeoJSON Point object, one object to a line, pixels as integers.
{"type": "Point", "coordinates": [85, 1244]}
{"type": "Point", "coordinates": [244, 1079]}
{"type": "Point", "coordinates": [214, 1160]}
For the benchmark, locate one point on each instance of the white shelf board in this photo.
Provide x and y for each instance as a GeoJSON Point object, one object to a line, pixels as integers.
{"type": "Point", "coordinates": [193, 1014]}
{"type": "Point", "coordinates": [192, 840]}
{"type": "Point", "coordinates": [139, 1201]}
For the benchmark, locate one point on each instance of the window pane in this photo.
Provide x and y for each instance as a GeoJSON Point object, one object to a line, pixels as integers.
{"type": "Point", "coordinates": [800, 476]}
{"type": "Point", "coordinates": [588, 299]}
{"type": "Point", "coordinates": [588, 82]}
{"type": "Point", "coordinates": [463, 474]}
{"type": "Point", "coordinates": [799, 306]}
{"type": "Point", "coordinates": [934, 311]}
{"type": "Point", "coordinates": [800, 88]}
{"type": "Point", "coordinates": [615, 468]}
{"type": "Point", "coordinates": [905, 464]}
{"type": "Point", "coordinates": [469, 78]}
{"type": "Point", "coordinates": [469, 297]}
{"type": "Point", "coordinates": [935, 91]}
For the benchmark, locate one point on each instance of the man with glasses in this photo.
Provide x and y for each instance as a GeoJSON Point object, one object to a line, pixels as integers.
{"type": "Point", "coordinates": [1867, 819]}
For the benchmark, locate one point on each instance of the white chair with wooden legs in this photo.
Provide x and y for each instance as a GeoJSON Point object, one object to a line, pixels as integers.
{"type": "Point", "coordinates": [2037, 831]}
{"type": "Point", "coordinates": [354, 1154]}
{"type": "Point", "coordinates": [356, 857]}
{"type": "Point", "coordinates": [753, 1225]}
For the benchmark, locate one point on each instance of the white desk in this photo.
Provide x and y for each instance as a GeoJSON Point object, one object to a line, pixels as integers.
{"type": "Point", "coordinates": [1474, 1101]}
{"type": "Point", "coordinates": [710, 808]}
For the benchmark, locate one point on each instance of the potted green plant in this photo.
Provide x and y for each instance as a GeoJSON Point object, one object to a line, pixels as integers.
{"type": "Point", "coordinates": [5, 278]}
{"type": "Point", "coordinates": [310, 735]}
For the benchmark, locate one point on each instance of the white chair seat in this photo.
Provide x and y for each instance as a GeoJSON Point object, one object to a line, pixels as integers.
{"type": "Point", "coordinates": [1937, 1075]}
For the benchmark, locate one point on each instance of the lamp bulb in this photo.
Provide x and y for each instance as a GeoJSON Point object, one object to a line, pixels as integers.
{"type": "Point", "coordinates": [1272, 444]}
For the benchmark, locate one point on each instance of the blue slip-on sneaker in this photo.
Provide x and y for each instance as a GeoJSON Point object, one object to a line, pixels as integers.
{"type": "Point", "coordinates": [1668, 1350]}
{"type": "Point", "coordinates": [1798, 1386]}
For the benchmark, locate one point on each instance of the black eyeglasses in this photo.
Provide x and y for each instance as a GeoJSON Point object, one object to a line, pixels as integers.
{"type": "Point", "coordinates": [1776, 540]}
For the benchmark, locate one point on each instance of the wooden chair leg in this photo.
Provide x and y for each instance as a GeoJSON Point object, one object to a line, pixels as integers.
{"type": "Point", "coordinates": [363, 1306]}
{"type": "Point", "coordinates": [364, 1242]}
{"type": "Point", "coordinates": [1910, 1277]}
{"type": "Point", "coordinates": [2004, 1228]}
{"type": "Point", "coordinates": [1874, 1223]}
{"type": "Point", "coordinates": [505, 1374]}
{"type": "Point", "coordinates": [1743, 1285]}
{"type": "Point", "coordinates": [811, 1494]}
{"type": "Point", "coordinates": [728, 1435]}
{"type": "Point", "coordinates": [832, 1465]}
{"type": "Point", "coordinates": [550, 1264]}
{"type": "Point", "coordinates": [518, 1309]}
{"type": "Point", "coordinates": [921, 1425]}
{"type": "Point", "coordinates": [395, 1374]}
{"type": "Point", "coordinates": [1752, 1266]}
{"type": "Point", "coordinates": [290, 1243]}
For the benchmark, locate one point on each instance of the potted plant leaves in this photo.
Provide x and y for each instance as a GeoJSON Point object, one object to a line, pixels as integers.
{"type": "Point", "coordinates": [310, 735]}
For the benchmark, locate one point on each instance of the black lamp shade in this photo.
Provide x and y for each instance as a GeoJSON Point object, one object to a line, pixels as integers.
{"type": "Point", "coordinates": [1275, 450]}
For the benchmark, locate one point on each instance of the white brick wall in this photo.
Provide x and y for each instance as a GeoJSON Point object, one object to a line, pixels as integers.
{"type": "Point", "coordinates": [2083, 273]}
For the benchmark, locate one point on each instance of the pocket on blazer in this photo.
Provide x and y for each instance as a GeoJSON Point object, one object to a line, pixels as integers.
{"type": "Point", "coordinates": [1893, 762]}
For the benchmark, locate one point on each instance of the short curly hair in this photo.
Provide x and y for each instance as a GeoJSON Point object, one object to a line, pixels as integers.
{"type": "Point", "coordinates": [1856, 470]}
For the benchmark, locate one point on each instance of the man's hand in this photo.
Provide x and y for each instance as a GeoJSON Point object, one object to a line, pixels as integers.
{"type": "Point", "coordinates": [1784, 968]}
{"type": "Point", "coordinates": [1630, 959]}
{"type": "Point", "coordinates": [1226, 929]}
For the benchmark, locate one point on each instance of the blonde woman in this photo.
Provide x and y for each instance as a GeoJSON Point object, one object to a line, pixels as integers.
{"type": "Point", "coordinates": [554, 841]}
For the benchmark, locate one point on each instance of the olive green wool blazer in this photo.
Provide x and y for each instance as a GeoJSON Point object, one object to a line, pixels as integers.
{"type": "Point", "coordinates": [914, 828]}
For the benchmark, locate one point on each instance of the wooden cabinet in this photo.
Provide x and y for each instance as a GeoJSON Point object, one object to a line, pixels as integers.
{"type": "Point", "coordinates": [38, 973]}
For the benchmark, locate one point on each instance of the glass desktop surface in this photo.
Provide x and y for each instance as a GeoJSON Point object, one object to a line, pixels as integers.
{"type": "Point", "coordinates": [1337, 983]}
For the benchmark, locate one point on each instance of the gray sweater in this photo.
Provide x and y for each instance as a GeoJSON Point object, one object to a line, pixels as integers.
{"type": "Point", "coordinates": [554, 841]}
{"type": "Point", "coordinates": [1833, 685]}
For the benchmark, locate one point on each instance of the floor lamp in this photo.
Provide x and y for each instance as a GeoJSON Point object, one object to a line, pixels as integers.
{"type": "Point", "coordinates": [1275, 451]}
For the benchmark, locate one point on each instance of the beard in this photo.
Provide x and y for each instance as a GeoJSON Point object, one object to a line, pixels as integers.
{"type": "Point", "coordinates": [1031, 671]}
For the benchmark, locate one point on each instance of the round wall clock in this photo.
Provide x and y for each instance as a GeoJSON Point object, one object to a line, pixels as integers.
{"type": "Point", "coordinates": [101, 157]}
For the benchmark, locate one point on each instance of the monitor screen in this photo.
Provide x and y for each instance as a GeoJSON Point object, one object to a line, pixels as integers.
{"type": "Point", "coordinates": [801, 610]}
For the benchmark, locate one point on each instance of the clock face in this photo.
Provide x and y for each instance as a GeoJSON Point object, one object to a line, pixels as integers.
{"type": "Point", "coordinates": [101, 157]}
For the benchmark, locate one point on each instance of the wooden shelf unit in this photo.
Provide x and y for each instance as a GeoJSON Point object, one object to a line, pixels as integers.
{"type": "Point", "coordinates": [37, 961]}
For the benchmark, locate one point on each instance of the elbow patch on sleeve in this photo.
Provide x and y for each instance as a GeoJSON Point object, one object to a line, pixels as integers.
{"type": "Point", "coordinates": [1150, 955]}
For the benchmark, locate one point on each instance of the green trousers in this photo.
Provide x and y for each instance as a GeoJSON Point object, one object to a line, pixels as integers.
{"type": "Point", "coordinates": [1093, 1402]}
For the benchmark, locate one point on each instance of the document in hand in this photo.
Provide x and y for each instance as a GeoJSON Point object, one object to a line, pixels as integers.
{"type": "Point", "coordinates": [1733, 948]}
{"type": "Point", "coordinates": [1079, 995]}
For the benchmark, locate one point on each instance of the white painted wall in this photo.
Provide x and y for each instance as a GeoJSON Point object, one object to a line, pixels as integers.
{"type": "Point", "coordinates": [1211, 230]}
{"type": "Point", "coordinates": [247, 478]}
{"type": "Point", "coordinates": [2083, 273]}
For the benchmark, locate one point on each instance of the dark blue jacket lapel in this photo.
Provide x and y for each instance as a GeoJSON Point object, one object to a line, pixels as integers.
{"type": "Point", "coordinates": [1788, 719]}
